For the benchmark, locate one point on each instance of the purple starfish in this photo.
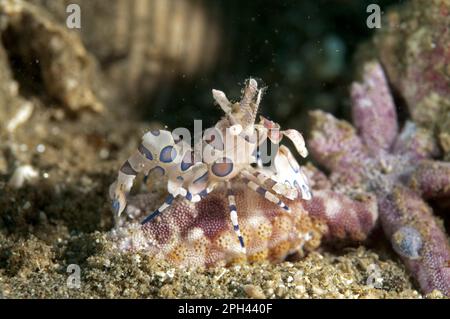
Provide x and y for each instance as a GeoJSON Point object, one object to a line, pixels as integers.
{"type": "Point", "coordinates": [398, 168]}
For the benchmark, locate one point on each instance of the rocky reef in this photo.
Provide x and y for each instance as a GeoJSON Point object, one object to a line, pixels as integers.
{"type": "Point", "coordinates": [45, 57]}
{"type": "Point", "coordinates": [413, 47]}
{"type": "Point", "coordinates": [151, 42]}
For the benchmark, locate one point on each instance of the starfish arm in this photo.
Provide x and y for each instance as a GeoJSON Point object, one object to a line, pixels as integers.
{"type": "Point", "coordinates": [373, 109]}
{"type": "Point", "coordinates": [432, 179]}
{"type": "Point", "coordinates": [335, 145]}
{"type": "Point", "coordinates": [417, 237]}
{"type": "Point", "coordinates": [346, 218]}
{"type": "Point", "coordinates": [415, 142]}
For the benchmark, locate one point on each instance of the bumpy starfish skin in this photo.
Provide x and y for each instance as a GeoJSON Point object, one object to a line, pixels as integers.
{"type": "Point", "coordinates": [397, 168]}
{"type": "Point", "coordinates": [201, 234]}
{"type": "Point", "coordinates": [431, 179]}
{"type": "Point", "coordinates": [349, 217]}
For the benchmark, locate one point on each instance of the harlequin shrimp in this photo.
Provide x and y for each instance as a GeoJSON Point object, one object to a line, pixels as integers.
{"type": "Point", "coordinates": [226, 153]}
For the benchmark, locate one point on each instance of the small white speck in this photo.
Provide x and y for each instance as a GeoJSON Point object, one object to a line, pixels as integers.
{"type": "Point", "coordinates": [71, 83]}
{"type": "Point", "coordinates": [171, 273]}
{"type": "Point", "coordinates": [308, 236]}
{"type": "Point", "coordinates": [366, 103]}
{"type": "Point", "coordinates": [137, 259]}
{"type": "Point", "coordinates": [40, 148]}
{"type": "Point", "coordinates": [161, 274]}
{"type": "Point", "coordinates": [22, 115]}
{"type": "Point", "coordinates": [21, 175]}
{"type": "Point", "coordinates": [221, 274]}
{"type": "Point", "coordinates": [104, 153]}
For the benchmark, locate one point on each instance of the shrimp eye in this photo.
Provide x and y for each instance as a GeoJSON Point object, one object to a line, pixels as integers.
{"type": "Point", "coordinates": [222, 167]}
{"type": "Point", "coordinates": [168, 154]}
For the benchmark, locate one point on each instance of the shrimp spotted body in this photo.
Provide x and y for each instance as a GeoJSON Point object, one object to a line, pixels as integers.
{"type": "Point", "coordinates": [227, 153]}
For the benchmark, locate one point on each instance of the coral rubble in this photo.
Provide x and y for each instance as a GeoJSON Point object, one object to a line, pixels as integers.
{"type": "Point", "coordinates": [46, 52]}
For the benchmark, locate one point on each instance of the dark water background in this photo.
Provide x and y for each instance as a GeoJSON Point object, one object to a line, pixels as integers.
{"type": "Point", "coordinates": [302, 50]}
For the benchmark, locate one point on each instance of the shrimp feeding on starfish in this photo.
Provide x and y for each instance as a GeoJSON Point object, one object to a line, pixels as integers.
{"type": "Point", "coordinates": [228, 151]}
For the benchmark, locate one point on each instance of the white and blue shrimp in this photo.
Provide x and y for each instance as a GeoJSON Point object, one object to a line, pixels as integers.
{"type": "Point", "coordinates": [227, 151]}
